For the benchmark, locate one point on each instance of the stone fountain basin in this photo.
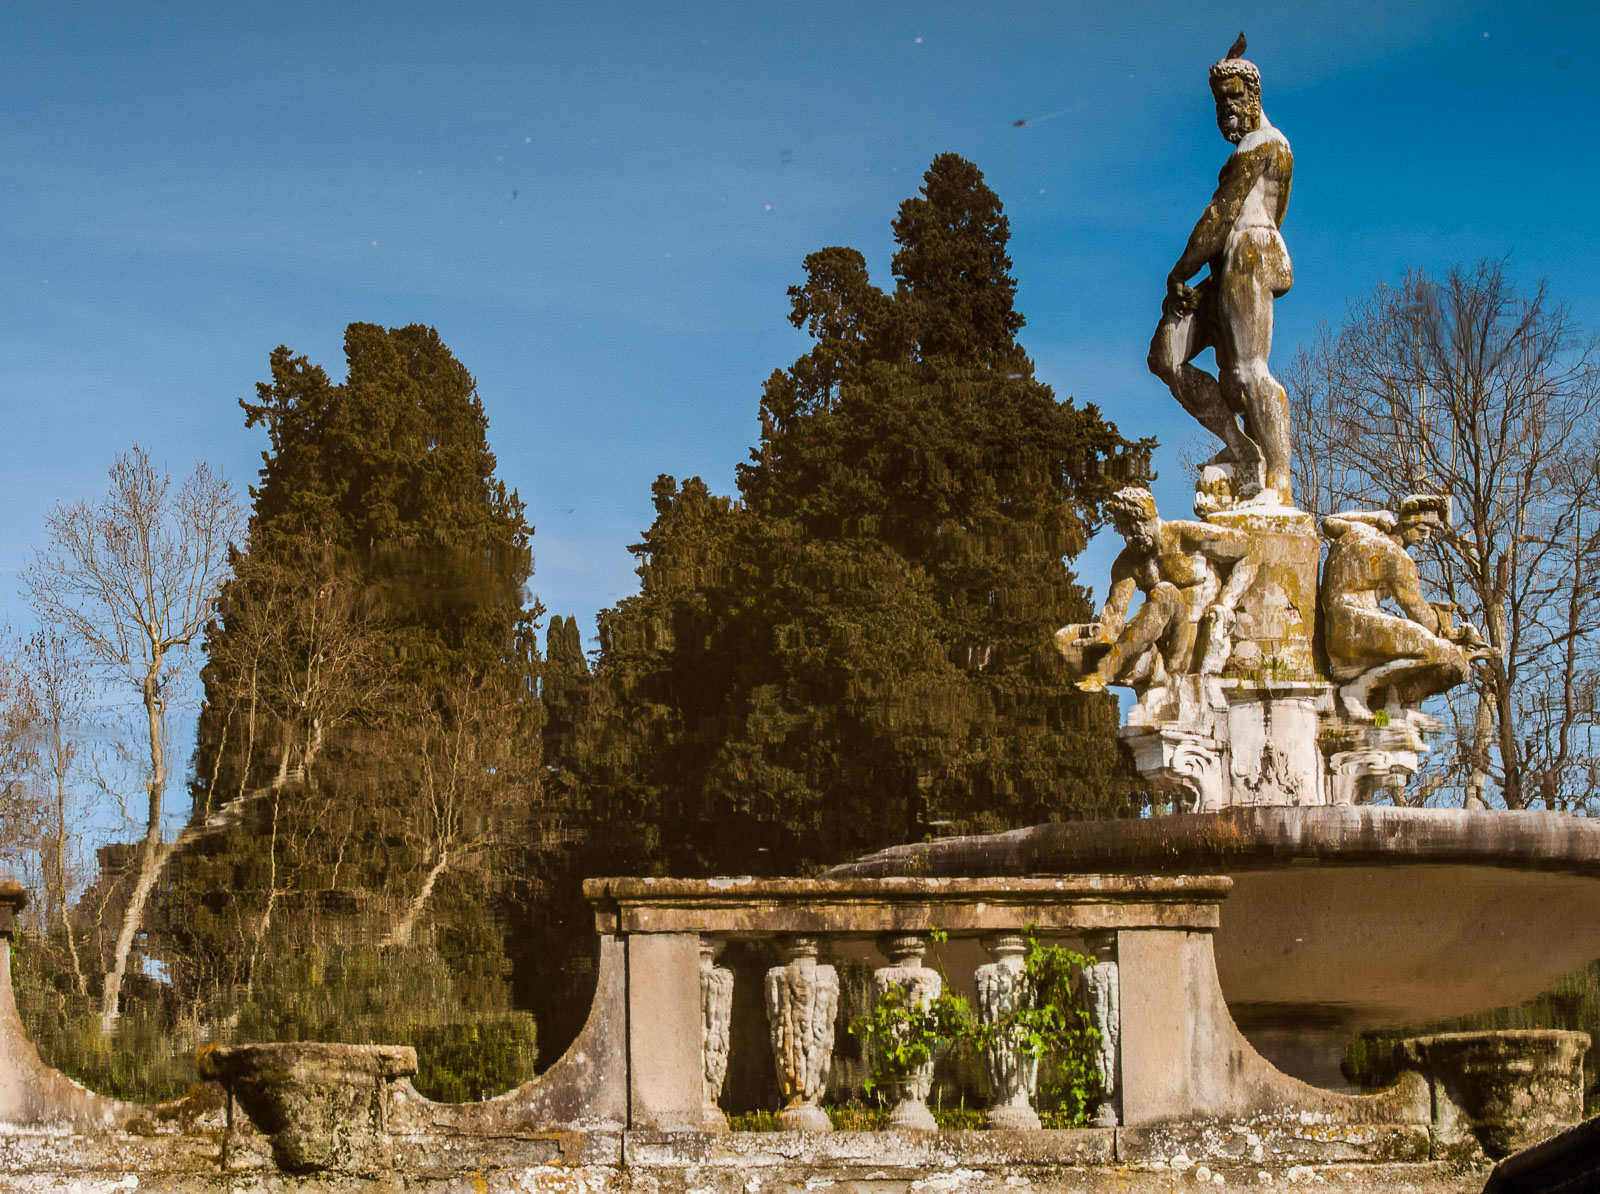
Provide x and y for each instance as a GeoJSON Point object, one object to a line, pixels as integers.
{"type": "Point", "coordinates": [1342, 919]}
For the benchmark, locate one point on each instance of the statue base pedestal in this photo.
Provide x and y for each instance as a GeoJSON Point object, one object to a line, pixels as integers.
{"type": "Point", "coordinates": [1236, 742]}
{"type": "Point", "coordinates": [1266, 743]}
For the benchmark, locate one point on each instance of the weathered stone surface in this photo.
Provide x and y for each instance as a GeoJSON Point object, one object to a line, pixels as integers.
{"type": "Point", "coordinates": [1341, 919]}
{"type": "Point", "coordinates": [716, 1010]}
{"type": "Point", "coordinates": [1136, 1161]}
{"type": "Point", "coordinates": [1504, 1090]}
{"type": "Point", "coordinates": [802, 1001]}
{"type": "Point", "coordinates": [666, 1064]}
{"type": "Point", "coordinates": [1100, 989]}
{"type": "Point", "coordinates": [324, 1106]}
{"type": "Point", "coordinates": [1276, 618]}
{"type": "Point", "coordinates": [587, 1087]}
{"type": "Point", "coordinates": [1013, 1073]}
{"type": "Point", "coordinates": [1247, 839]}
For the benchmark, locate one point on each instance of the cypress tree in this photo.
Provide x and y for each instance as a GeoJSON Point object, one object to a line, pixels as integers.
{"type": "Point", "coordinates": [368, 762]}
{"type": "Point", "coordinates": [856, 651]}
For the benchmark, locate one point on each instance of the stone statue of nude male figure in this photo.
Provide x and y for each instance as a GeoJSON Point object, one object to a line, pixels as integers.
{"type": "Point", "coordinates": [1415, 653]}
{"type": "Point", "coordinates": [1179, 566]}
{"type": "Point", "coordinates": [1230, 311]}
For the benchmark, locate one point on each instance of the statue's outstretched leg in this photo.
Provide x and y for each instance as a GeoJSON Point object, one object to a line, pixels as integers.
{"type": "Point", "coordinates": [1162, 609]}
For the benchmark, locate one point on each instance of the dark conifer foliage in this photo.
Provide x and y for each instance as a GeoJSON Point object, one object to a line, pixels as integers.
{"type": "Point", "coordinates": [856, 651]}
{"type": "Point", "coordinates": [368, 763]}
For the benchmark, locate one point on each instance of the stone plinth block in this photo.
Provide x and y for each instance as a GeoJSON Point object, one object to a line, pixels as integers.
{"type": "Point", "coordinates": [1272, 743]}
{"type": "Point", "coordinates": [1276, 618]}
{"type": "Point", "coordinates": [13, 899]}
{"type": "Point", "coordinates": [324, 1106]}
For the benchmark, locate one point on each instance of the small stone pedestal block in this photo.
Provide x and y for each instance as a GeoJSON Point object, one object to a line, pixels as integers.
{"type": "Point", "coordinates": [1276, 617]}
{"type": "Point", "coordinates": [324, 1106]}
{"type": "Point", "coordinates": [802, 1002]}
{"type": "Point", "coordinates": [1013, 1072]}
{"type": "Point", "coordinates": [13, 899]}
{"type": "Point", "coordinates": [1506, 1090]}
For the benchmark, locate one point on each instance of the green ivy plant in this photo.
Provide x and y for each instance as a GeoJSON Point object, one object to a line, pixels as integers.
{"type": "Point", "coordinates": [1048, 1024]}
{"type": "Point", "coordinates": [903, 1036]}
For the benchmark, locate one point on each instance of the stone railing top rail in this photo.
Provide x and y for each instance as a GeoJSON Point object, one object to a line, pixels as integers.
{"type": "Point", "coordinates": [868, 906]}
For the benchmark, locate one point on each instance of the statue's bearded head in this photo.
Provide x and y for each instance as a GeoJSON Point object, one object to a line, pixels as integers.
{"type": "Point", "coordinates": [1133, 512]}
{"type": "Point", "coordinates": [1236, 86]}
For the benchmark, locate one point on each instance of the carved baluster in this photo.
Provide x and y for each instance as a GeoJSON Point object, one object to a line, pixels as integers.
{"type": "Point", "coordinates": [716, 1014]}
{"type": "Point", "coordinates": [802, 1001]}
{"type": "Point", "coordinates": [1099, 991]}
{"type": "Point", "coordinates": [920, 986]}
{"type": "Point", "coordinates": [1013, 1073]}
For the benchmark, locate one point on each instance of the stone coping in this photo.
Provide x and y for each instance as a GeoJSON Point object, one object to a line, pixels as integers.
{"type": "Point", "coordinates": [1241, 839]}
{"type": "Point", "coordinates": [746, 907]}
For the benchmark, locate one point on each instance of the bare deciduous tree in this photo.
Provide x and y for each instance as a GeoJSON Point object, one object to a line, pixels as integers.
{"type": "Point", "coordinates": [20, 812]}
{"type": "Point", "coordinates": [132, 582]}
{"type": "Point", "coordinates": [1463, 386]}
{"type": "Point", "coordinates": [61, 698]}
{"type": "Point", "coordinates": [473, 792]}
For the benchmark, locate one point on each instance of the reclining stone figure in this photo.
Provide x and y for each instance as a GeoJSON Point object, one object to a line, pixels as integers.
{"type": "Point", "coordinates": [1407, 657]}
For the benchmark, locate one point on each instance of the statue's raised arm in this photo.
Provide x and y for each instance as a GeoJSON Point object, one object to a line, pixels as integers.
{"type": "Point", "coordinates": [1230, 310]}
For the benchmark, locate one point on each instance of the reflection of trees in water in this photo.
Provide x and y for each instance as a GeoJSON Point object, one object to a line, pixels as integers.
{"type": "Point", "coordinates": [855, 652]}
{"type": "Point", "coordinates": [1573, 1004]}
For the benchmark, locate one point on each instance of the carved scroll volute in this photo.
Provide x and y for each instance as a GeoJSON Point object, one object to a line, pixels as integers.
{"type": "Point", "coordinates": [1101, 1000]}
{"type": "Point", "coordinates": [716, 1015]}
{"type": "Point", "coordinates": [802, 1001]}
{"type": "Point", "coordinates": [1013, 1072]}
{"type": "Point", "coordinates": [920, 986]}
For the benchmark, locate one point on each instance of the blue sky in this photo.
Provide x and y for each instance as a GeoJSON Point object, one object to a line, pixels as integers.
{"type": "Point", "coordinates": [600, 205]}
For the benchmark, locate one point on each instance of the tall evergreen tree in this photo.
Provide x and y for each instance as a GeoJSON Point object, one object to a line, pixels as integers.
{"type": "Point", "coordinates": [368, 760]}
{"type": "Point", "coordinates": [856, 652]}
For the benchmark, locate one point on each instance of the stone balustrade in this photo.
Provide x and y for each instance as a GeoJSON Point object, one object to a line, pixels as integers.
{"type": "Point", "coordinates": [1162, 919]}
{"type": "Point", "coordinates": [1179, 1079]}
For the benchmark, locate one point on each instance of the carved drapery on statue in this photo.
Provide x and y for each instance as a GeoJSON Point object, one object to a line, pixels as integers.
{"type": "Point", "coordinates": [1242, 698]}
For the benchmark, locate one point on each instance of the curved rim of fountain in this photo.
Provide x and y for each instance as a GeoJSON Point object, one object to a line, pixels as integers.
{"type": "Point", "coordinates": [1244, 838]}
